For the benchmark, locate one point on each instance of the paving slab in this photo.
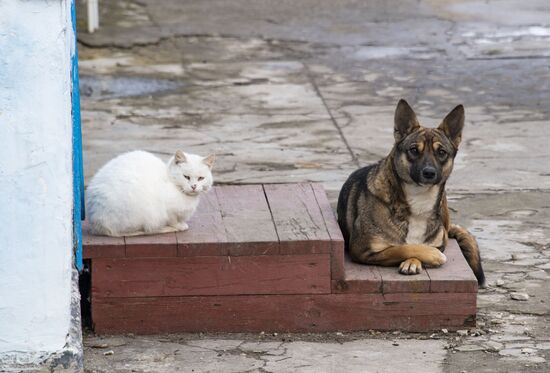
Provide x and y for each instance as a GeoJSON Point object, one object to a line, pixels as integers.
{"type": "Point", "coordinates": [214, 355]}
{"type": "Point", "coordinates": [305, 91]}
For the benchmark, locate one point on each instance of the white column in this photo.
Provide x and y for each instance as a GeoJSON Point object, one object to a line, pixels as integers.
{"type": "Point", "coordinates": [93, 15]}
{"type": "Point", "coordinates": [36, 194]}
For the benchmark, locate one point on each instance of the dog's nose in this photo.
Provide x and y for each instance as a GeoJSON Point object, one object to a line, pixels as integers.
{"type": "Point", "coordinates": [429, 173]}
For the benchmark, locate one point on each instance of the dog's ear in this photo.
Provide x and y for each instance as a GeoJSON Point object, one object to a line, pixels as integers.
{"type": "Point", "coordinates": [452, 125]}
{"type": "Point", "coordinates": [405, 121]}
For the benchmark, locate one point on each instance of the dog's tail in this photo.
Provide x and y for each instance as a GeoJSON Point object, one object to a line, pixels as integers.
{"type": "Point", "coordinates": [470, 250]}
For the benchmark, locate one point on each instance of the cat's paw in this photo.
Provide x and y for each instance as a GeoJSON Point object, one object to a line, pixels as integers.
{"type": "Point", "coordinates": [182, 226]}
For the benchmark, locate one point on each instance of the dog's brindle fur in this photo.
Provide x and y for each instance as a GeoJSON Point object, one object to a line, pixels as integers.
{"type": "Point", "coordinates": [395, 212]}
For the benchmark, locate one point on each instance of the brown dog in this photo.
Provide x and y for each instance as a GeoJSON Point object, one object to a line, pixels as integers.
{"type": "Point", "coordinates": [395, 211]}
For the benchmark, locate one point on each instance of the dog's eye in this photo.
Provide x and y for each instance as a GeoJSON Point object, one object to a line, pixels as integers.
{"type": "Point", "coordinates": [413, 150]}
{"type": "Point", "coordinates": [187, 177]}
{"type": "Point", "coordinates": [201, 178]}
{"type": "Point", "coordinates": [441, 152]}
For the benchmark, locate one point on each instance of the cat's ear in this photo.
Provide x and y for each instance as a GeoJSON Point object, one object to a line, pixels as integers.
{"type": "Point", "coordinates": [209, 161]}
{"type": "Point", "coordinates": [179, 157]}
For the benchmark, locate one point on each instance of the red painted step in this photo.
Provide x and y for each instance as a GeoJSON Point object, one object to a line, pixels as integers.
{"type": "Point", "coordinates": [211, 275]}
{"type": "Point", "coordinates": [265, 257]}
{"type": "Point", "coordinates": [285, 313]}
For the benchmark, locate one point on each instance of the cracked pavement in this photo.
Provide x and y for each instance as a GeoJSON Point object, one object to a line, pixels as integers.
{"type": "Point", "coordinates": [305, 91]}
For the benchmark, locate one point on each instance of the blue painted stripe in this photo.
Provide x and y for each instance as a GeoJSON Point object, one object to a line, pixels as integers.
{"type": "Point", "coordinates": [78, 171]}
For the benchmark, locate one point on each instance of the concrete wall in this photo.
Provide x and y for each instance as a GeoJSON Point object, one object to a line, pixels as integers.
{"type": "Point", "coordinates": [35, 178]}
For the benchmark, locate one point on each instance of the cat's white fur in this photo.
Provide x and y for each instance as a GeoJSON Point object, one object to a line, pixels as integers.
{"type": "Point", "coordinates": [137, 193]}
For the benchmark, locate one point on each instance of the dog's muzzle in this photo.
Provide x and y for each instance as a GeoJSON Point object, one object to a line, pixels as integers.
{"type": "Point", "coordinates": [429, 174]}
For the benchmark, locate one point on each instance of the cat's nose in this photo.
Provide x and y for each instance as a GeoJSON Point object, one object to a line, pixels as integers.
{"type": "Point", "coordinates": [194, 186]}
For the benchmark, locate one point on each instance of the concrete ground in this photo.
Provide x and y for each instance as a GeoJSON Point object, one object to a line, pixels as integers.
{"type": "Point", "coordinates": [287, 91]}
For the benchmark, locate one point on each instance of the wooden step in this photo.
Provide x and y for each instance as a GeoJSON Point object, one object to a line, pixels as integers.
{"type": "Point", "coordinates": [415, 312]}
{"type": "Point", "coordinates": [454, 277]}
{"type": "Point", "coordinates": [281, 219]}
{"type": "Point", "coordinates": [265, 258]}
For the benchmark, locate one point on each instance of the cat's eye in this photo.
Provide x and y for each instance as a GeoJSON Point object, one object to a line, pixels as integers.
{"type": "Point", "coordinates": [201, 178]}
{"type": "Point", "coordinates": [187, 177]}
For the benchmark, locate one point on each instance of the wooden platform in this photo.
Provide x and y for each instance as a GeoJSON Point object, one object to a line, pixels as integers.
{"type": "Point", "coordinates": [265, 258]}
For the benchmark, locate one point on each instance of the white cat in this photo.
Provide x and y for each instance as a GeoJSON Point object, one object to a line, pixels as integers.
{"type": "Point", "coordinates": [137, 193]}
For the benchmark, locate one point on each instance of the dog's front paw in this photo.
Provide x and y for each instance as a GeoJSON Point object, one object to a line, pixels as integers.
{"type": "Point", "coordinates": [436, 258]}
{"type": "Point", "coordinates": [411, 266]}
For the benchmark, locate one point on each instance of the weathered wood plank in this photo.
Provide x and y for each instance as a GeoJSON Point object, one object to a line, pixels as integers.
{"type": "Point", "coordinates": [214, 275]}
{"type": "Point", "coordinates": [298, 219]}
{"type": "Point", "coordinates": [413, 304]}
{"type": "Point", "coordinates": [328, 214]}
{"type": "Point", "coordinates": [335, 234]}
{"type": "Point", "coordinates": [208, 202]}
{"type": "Point", "coordinates": [395, 282]}
{"type": "Point", "coordinates": [247, 220]}
{"type": "Point", "coordinates": [101, 246]}
{"type": "Point", "coordinates": [359, 278]}
{"type": "Point", "coordinates": [455, 276]}
{"type": "Point", "coordinates": [284, 313]}
{"type": "Point", "coordinates": [206, 235]}
{"type": "Point", "coordinates": [156, 245]}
